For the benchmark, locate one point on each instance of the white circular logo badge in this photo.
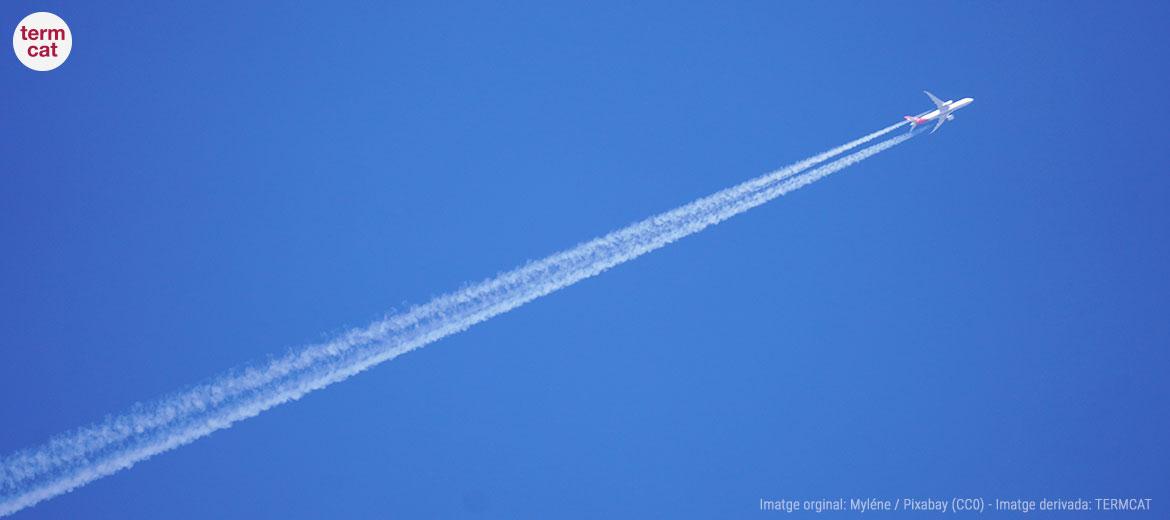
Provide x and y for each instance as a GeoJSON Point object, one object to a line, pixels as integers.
{"type": "Point", "coordinates": [42, 41]}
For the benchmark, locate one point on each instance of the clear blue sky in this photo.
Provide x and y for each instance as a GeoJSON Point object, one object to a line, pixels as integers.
{"type": "Point", "coordinates": [982, 311]}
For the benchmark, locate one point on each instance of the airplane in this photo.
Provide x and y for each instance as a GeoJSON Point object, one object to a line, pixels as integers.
{"type": "Point", "coordinates": [942, 113]}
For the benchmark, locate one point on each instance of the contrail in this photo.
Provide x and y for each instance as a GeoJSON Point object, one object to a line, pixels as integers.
{"type": "Point", "coordinates": [79, 457]}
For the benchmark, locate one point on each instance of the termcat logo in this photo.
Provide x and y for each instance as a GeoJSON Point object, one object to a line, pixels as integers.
{"type": "Point", "coordinates": [42, 41]}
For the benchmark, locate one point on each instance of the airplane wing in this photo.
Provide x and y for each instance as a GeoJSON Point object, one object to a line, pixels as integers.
{"type": "Point", "coordinates": [937, 102]}
{"type": "Point", "coordinates": [942, 118]}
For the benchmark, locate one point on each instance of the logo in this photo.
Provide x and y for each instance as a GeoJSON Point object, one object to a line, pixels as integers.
{"type": "Point", "coordinates": [42, 41]}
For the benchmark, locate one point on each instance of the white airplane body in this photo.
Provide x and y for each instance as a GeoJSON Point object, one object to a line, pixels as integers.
{"type": "Point", "coordinates": [942, 113]}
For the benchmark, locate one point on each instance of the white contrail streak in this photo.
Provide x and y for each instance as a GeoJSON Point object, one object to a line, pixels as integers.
{"type": "Point", "coordinates": [79, 457]}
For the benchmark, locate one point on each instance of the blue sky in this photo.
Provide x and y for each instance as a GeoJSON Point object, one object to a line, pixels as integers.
{"type": "Point", "coordinates": [977, 312]}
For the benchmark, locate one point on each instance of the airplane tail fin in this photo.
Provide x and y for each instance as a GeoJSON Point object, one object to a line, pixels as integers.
{"type": "Point", "coordinates": [914, 121]}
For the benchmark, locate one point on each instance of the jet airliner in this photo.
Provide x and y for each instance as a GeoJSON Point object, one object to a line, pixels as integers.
{"type": "Point", "coordinates": [942, 112]}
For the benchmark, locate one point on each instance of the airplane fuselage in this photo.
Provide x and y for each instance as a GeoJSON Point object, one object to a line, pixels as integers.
{"type": "Point", "coordinates": [948, 108]}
